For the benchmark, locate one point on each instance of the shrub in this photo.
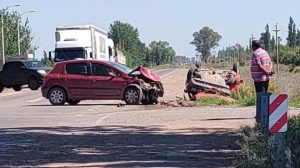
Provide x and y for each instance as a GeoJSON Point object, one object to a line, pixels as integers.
{"type": "Point", "coordinates": [245, 96]}
{"type": "Point", "coordinates": [293, 140]}
{"type": "Point", "coordinates": [257, 149]}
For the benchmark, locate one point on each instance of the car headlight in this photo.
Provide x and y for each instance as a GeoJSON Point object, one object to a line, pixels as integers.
{"type": "Point", "coordinates": [42, 72]}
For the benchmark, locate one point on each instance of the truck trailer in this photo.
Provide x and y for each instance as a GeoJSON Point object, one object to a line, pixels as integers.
{"type": "Point", "coordinates": [82, 42]}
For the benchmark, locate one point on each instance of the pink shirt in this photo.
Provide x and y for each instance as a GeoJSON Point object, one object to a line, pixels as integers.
{"type": "Point", "coordinates": [260, 56]}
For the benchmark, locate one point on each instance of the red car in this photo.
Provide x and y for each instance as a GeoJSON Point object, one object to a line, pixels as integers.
{"type": "Point", "coordinates": [73, 81]}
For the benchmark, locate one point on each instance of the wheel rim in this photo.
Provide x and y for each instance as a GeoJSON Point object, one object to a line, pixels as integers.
{"type": "Point", "coordinates": [132, 96]}
{"type": "Point", "coordinates": [57, 96]}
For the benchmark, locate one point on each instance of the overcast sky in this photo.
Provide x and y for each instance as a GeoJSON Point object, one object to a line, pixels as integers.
{"type": "Point", "coordinates": [167, 20]}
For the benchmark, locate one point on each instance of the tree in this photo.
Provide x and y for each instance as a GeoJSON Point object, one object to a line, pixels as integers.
{"type": "Point", "coordinates": [273, 43]}
{"type": "Point", "coordinates": [205, 40]}
{"type": "Point", "coordinates": [161, 53]}
{"type": "Point", "coordinates": [291, 39]}
{"type": "Point", "coordinates": [11, 35]}
{"type": "Point", "coordinates": [126, 38]}
{"type": "Point", "coordinates": [298, 38]}
{"type": "Point", "coordinates": [266, 38]}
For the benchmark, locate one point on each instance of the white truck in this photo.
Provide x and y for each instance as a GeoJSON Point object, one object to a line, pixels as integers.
{"type": "Point", "coordinates": [83, 42]}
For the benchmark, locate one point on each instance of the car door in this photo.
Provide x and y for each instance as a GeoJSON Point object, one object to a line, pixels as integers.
{"type": "Point", "coordinates": [104, 85]}
{"type": "Point", "coordinates": [77, 80]}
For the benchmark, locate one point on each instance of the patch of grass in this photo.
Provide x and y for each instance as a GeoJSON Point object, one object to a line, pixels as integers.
{"type": "Point", "coordinates": [294, 101]}
{"type": "Point", "coordinates": [245, 96]}
{"type": "Point", "coordinates": [213, 100]}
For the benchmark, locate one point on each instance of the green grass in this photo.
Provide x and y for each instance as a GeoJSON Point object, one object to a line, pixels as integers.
{"type": "Point", "coordinates": [213, 101]}
{"type": "Point", "coordinates": [294, 101]}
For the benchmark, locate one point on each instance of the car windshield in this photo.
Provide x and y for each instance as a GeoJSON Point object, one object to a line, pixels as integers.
{"type": "Point", "coordinates": [121, 67]}
{"type": "Point", "coordinates": [34, 64]}
{"type": "Point", "coordinates": [61, 55]}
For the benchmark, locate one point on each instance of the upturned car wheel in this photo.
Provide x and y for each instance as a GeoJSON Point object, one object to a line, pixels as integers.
{"type": "Point", "coordinates": [33, 84]}
{"type": "Point", "coordinates": [1, 87]}
{"type": "Point", "coordinates": [57, 96]}
{"type": "Point", "coordinates": [73, 102]}
{"type": "Point", "coordinates": [132, 96]}
{"type": "Point", "coordinates": [17, 87]}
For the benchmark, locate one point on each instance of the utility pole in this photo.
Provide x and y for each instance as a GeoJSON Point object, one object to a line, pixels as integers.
{"type": "Point", "coordinates": [277, 59]}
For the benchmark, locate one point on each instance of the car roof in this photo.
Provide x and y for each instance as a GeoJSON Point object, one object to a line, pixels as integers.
{"type": "Point", "coordinates": [82, 61]}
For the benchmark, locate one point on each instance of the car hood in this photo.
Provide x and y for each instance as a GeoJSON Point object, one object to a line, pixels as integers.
{"type": "Point", "coordinates": [47, 69]}
{"type": "Point", "coordinates": [146, 73]}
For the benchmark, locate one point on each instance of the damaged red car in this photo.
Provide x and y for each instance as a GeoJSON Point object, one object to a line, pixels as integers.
{"type": "Point", "coordinates": [73, 81]}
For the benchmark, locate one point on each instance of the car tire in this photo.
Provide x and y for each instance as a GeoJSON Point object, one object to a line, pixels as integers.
{"type": "Point", "coordinates": [17, 88]}
{"type": "Point", "coordinates": [1, 87]}
{"type": "Point", "coordinates": [57, 96]}
{"type": "Point", "coordinates": [235, 67]}
{"type": "Point", "coordinates": [230, 79]}
{"type": "Point", "coordinates": [73, 102]}
{"type": "Point", "coordinates": [33, 84]}
{"type": "Point", "coordinates": [132, 96]}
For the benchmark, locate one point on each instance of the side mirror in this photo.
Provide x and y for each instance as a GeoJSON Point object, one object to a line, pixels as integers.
{"type": "Point", "coordinates": [50, 58]}
{"type": "Point", "coordinates": [112, 74]}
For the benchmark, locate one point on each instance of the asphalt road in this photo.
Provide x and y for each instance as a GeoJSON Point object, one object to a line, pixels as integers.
{"type": "Point", "coordinates": [104, 134]}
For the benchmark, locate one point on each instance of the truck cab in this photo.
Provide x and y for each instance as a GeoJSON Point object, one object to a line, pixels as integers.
{"type": "Point", "coordinates": [82, 42]}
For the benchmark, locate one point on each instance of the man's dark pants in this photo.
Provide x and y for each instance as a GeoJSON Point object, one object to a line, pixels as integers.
{"type": "Point", "coordinates": [261, 86]}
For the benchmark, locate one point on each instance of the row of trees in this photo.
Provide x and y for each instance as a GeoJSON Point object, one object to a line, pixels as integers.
{"type": "Point", "coordinates": [126, 38]}
{"type": "Point", "coordinates": [289, 54]}
{"type": "Point", "coordinates": [10, 27]}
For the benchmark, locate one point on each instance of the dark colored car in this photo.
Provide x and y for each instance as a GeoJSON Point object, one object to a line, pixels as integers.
{"type": "Point", "coordinates": [73, 81]}
{"type": "Point", "coordinates": [17, 73]}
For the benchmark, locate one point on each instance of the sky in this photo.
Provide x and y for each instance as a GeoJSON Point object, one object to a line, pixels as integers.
{"type": "Point", "coordinates": [173, 21]}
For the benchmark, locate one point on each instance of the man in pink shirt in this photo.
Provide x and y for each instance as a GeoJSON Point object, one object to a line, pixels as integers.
{"type": "Point", "coordinates": [261, 67]}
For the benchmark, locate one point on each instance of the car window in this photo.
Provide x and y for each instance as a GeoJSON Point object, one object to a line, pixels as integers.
{"type": "Point", "coordinates": [77, 68]}
{"type": "Point", "coordinates": [100, 70]}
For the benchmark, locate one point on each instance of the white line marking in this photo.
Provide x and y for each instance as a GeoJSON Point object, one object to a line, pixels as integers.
{"type": "Point", "coordinates": [168, 73]}
{"type": "Point", "coordinates": [34, 100]}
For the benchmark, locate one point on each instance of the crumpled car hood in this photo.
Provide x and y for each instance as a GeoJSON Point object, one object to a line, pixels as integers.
{"type": "Point", "coordinates": [147, 73]}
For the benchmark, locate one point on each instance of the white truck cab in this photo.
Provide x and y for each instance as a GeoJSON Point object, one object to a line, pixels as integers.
{"type": "Point", "coordinates": [82, 42]}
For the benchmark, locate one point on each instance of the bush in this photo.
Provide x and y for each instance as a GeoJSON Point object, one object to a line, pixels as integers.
{"type": "Point", "coordinates": [245, 96]}
{"type": "Point", "coordinates": [257, 150]}
{"type": "Point", "coordinates": [293, 140]}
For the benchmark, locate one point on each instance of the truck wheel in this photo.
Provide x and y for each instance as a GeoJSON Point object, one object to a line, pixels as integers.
{"type": "Point", "coordinates": [57, 96]}
{"type": "Point", "coordinates": [33, 84]}
{"type": "Point", "coordinates": [132, 96]}
{"type": "Point", "coordinates": [17, 88]}
{"type": "Point", "coordinates": [73, 102]}
{"type": "Point", "coordinates": [1, 87]}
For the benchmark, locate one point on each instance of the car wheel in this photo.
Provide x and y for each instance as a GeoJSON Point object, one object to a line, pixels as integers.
{"type": "Point", "coordinates": [57, 96]}
{"type": "Point", "coordinates": [33, 84]}
{"type": "Point", "coordinates": [230, 79]}
{"type": "Point", "coordinates": [1, 87]}
{"type": "Point", "coordinates": [17, 87]}
{"type": "Point", "coordinates": [192, 96]}
{"type": "Point", "coordinates": [73, 102]}
{"type": "Point", "coordinates": [235, 67]}
{"type": "Point", "coordinates": [132, 96]}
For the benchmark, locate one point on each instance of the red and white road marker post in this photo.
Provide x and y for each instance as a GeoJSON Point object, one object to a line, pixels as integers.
{"type": "Point", "coordinates": [278, 123]}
